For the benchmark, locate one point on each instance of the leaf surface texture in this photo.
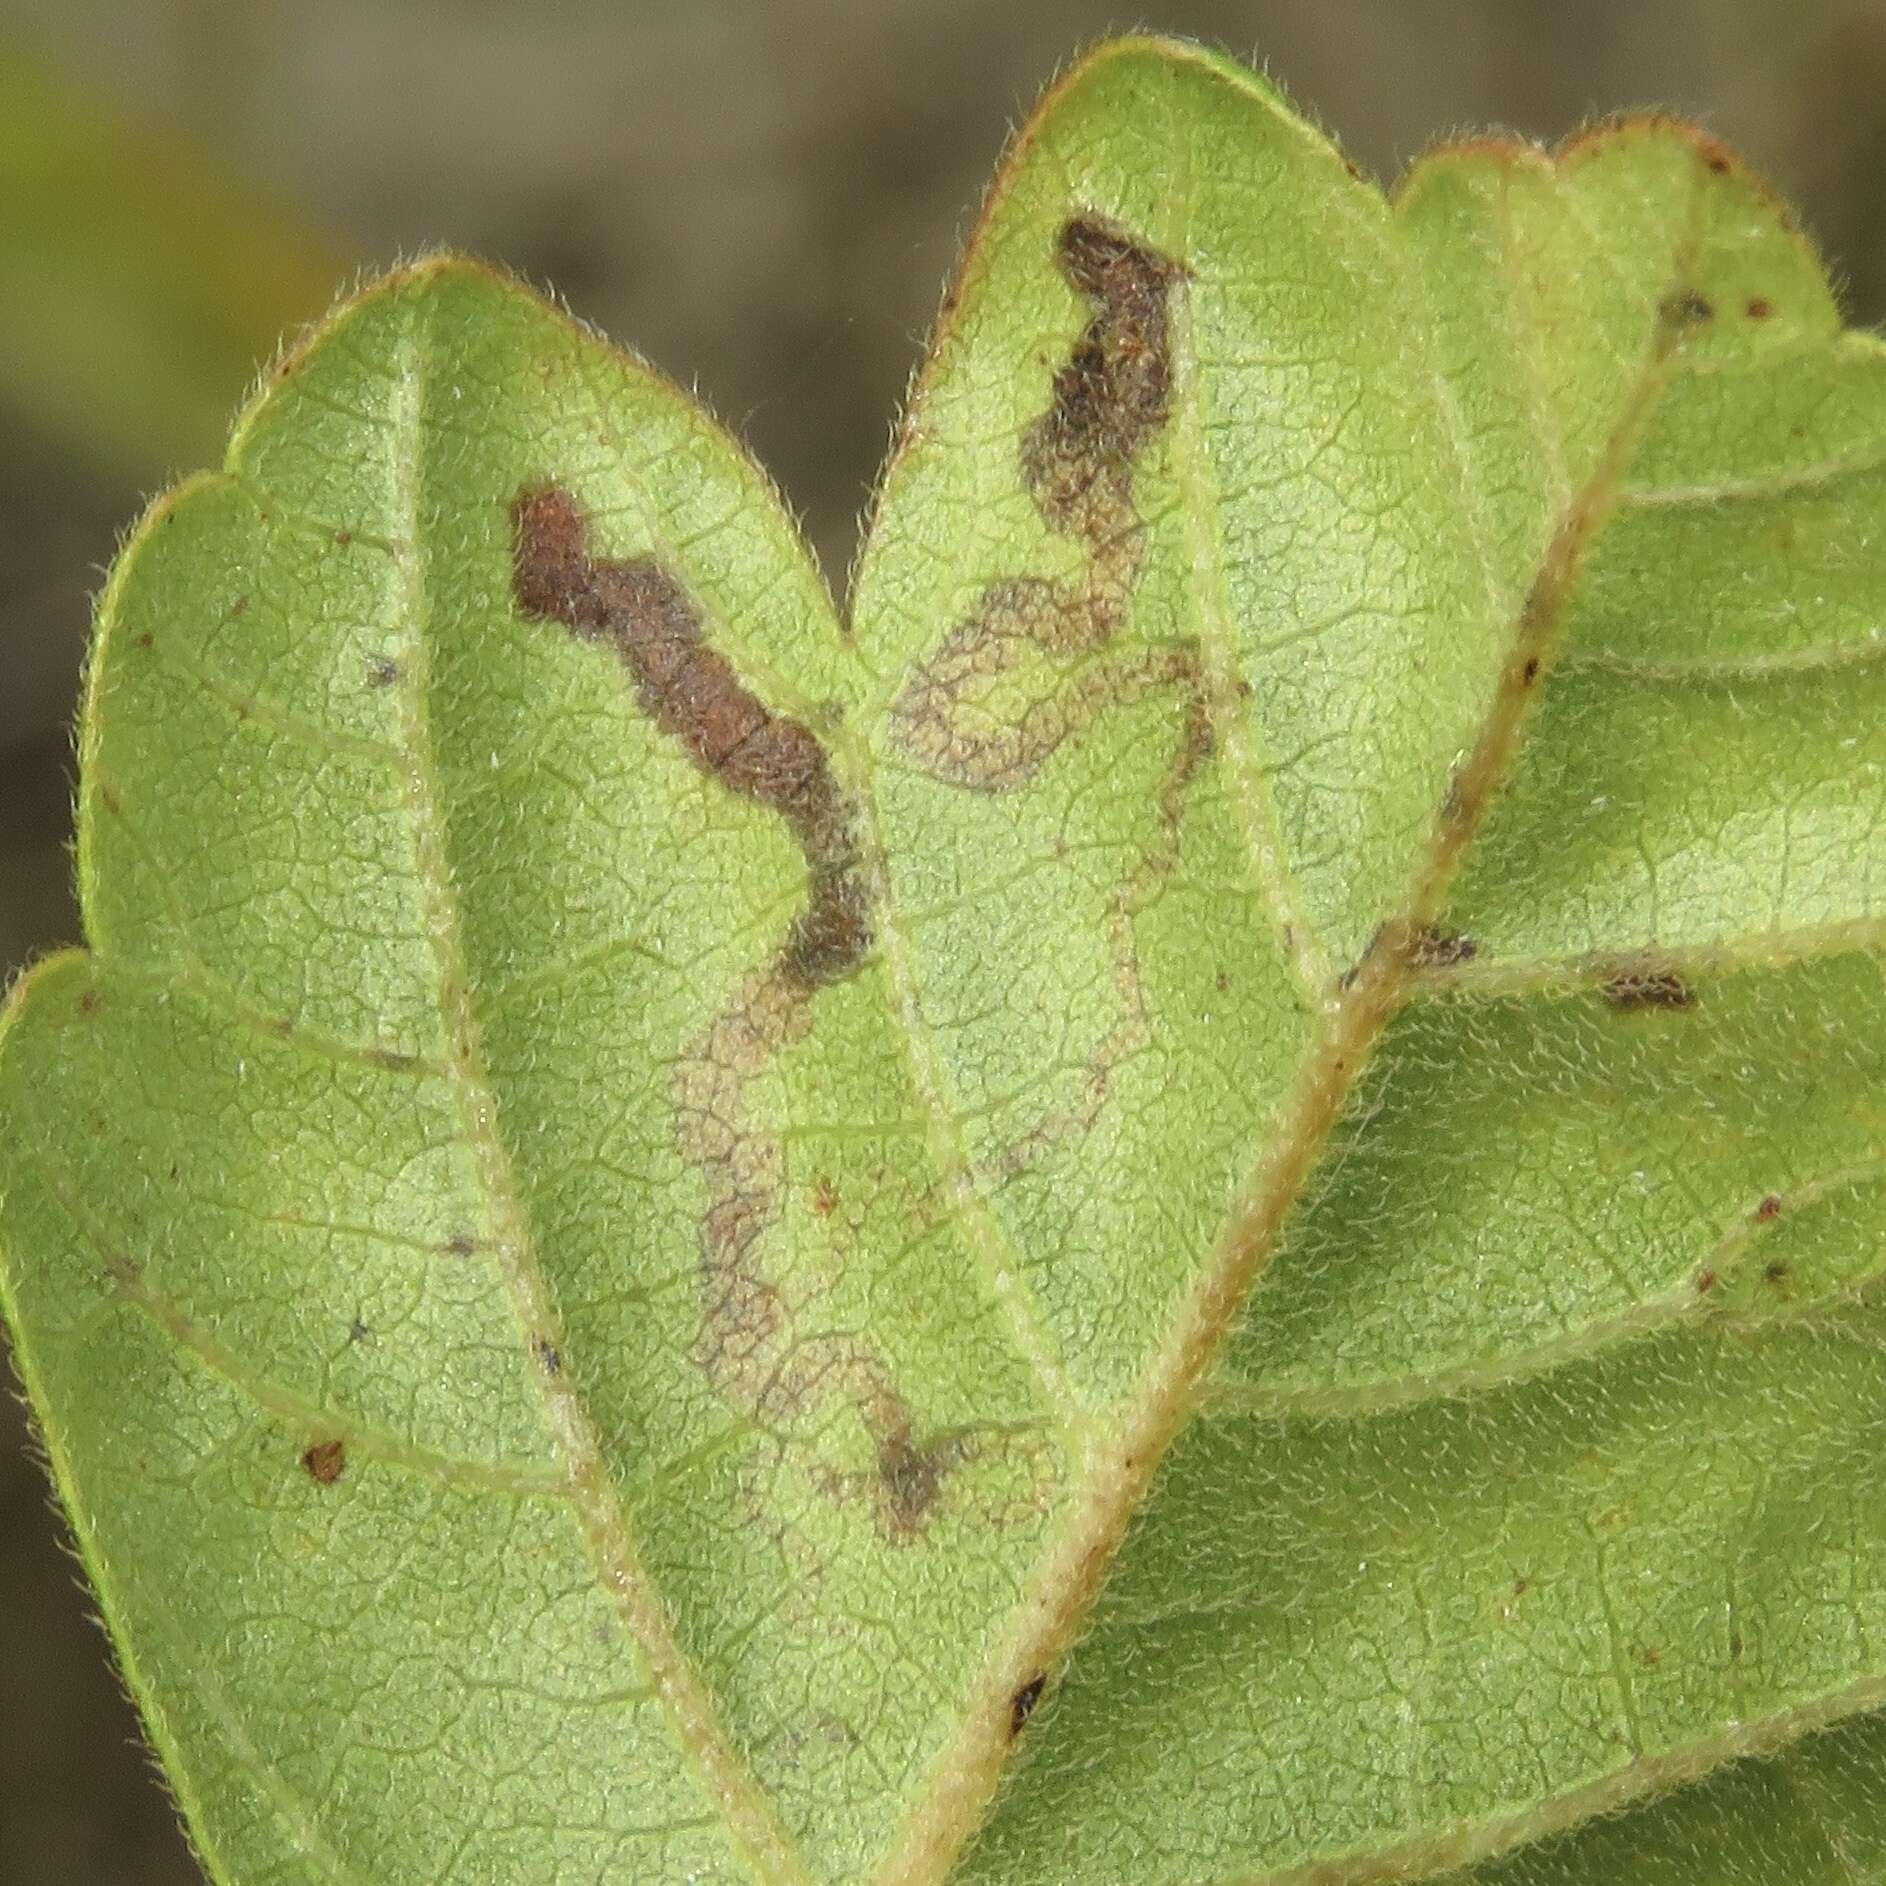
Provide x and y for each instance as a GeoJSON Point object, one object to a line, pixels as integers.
{"type": "Point", "coordinates": [1198, 1202]}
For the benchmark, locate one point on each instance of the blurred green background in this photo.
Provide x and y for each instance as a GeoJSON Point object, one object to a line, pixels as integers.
{"type": "Point", "coordinates": [761, 195]}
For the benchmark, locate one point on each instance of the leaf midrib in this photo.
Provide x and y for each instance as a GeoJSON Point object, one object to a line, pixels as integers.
{"type": "Point", "coordinates": [727, 1784]}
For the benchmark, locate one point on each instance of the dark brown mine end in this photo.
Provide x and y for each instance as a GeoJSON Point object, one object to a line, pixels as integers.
{"type": "Point", "coordinates": [1114, 392]}
{"type": "Point", "coordinates": [693, 694]}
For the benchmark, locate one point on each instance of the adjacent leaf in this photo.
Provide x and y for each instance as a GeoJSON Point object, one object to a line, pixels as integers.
{"type": "Point", "coordinates": [640, 1191]}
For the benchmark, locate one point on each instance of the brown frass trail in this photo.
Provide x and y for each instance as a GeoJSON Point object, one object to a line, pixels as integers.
{"type": "Point", "coordinates": [1111, 398]}
{"type": "Point", "coordinates": [748, 1346]}
{"type": "Point", "coordinates": [1053, 643]}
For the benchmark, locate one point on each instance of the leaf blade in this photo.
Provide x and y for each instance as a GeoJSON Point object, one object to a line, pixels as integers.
{"type": "Point", "coordinates": [679, 982]}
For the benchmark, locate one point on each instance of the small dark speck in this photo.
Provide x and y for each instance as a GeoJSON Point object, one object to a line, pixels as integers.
{"type": "Point", "coordinates": [343, 538]}
{"type": "Point", "coordinates": [1022, 1704]}
{"type": "Point", "coordinates": [357, 1331]}
{"type": "Point", "coordinates": [1776, 1273]}
{"type": "Point", "coordinates": [382, 673]}
{"type": "Point", "coordinates": [240, 606]}
{"type": "Point", "coordinates": [1769, 1208]}
{"type": "Point", "coordinates": [461, 1244]}
{"type": "Point", "coordinates": [548, 1355]}
{"type": "Point", "coordinates": [146, 639]}
{"type": "Point", "coordinates": [1705, 1282]}
{"type": "Point", "coordinates": [1760, 307]}
{"type": "Point", "coordinates": [1687, 308]}
{"type": "Point", "coordinates": [325, 1461]}
{"type": "Point", "coordinates": [1530, 673]}
{"type": "Point", "coordinates": [88, 1002]}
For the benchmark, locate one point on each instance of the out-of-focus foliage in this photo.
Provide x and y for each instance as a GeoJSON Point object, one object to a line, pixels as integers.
{"type": "Point", "coordinates": [141, 282]}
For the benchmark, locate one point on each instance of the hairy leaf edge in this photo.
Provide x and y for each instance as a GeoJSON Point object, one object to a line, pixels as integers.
{"type": "Point", "coordinates": [1629, 1785]}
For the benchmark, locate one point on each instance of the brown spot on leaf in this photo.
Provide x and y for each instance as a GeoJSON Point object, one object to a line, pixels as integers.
{"type": "Point", "coordinates": [1776, 1273]}
{"type": "Point", "coordinates": [343, 538]}
{"type": "Point", "coordinates": [1768, 1209]}
{"type": "Point", "coordinates": [1705, 1282]}
{"type": "Point", "coordinates": [325, 1462]}
{"type": "Point", "coordinates": [146, 639]}
{"type": "Point", "coordinates": [911, 1476]}
{"type": "Point", "coordinates": [1649, 989]}
{"type": "Point", "coordinates": [240, 607]}
{"type": "Point", "coordinates": [1441, 949]}
{"type": "Point", "coordinates": [549, 1357]}
{"type": "Point", "coordinates": [383, 673]}
{"type": "Point", "coordinates": [1022, 1704]}
{"type": "Point", "coordinates": [1760, 307]}
{"type": "Point", "coordinates": [824, 1197]}
{"type": "Point", "coordinates": [88, 1002]}
{"type": "Point", "coordinates": [461, 1244]}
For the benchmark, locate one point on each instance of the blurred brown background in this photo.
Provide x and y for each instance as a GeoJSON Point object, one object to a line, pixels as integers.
{"type": "Point", "coordinates": [761, 195]}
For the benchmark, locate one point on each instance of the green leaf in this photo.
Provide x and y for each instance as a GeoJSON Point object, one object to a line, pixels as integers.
{"type": "Point", "coordinates": [642, 1191]}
